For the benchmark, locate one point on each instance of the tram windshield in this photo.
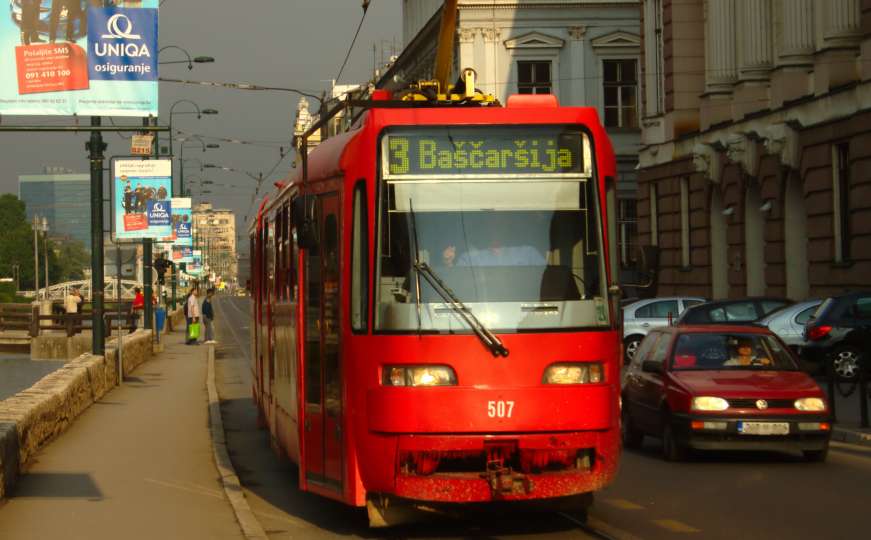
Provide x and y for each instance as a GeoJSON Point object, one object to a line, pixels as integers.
{"type": "Point", "coordinates": [519, 247]}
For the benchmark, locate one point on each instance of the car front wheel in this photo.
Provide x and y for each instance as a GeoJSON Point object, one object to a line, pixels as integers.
{"type": "Point", "coordinates": [845, 362]}
{"type": "Point", "coordinates": [630, 347]}
{"type": "Point", "coordinates": [672, 449]}
{"type": "Point", "coordinates": [632, 438]}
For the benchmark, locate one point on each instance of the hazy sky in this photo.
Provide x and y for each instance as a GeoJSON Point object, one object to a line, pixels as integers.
{"type": "Point", "coordinates": [284, 43]}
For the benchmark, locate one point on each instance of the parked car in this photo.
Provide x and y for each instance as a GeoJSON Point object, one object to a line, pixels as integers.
{"type": "Point", "coordinates": [739, 311]}
{"type": "Point", "coordinates": [839, 331]}
{"type": "Point", "coordinates": [641, 316]}
{"type": "Point", "coordinates": [788, 323]}
{"type": "Point", "coordinates": [722, 388]}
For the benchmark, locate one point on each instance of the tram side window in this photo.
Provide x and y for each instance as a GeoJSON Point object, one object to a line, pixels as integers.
{"type": "Point", "coordinates": [279, 254]}
{"type": "Point", "coordinates": [359, 261]}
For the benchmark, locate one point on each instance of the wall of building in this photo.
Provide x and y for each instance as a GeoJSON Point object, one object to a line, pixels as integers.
{"type": "Point", "coordinates": [782, 95]}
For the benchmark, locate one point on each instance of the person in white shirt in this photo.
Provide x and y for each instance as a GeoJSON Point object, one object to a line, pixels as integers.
{"type": "Point", "coordinates": [73, 300]}
{"type": "Point", "coordinates": [72, 303]}
{"type": "Point", "coordinates": [193, 313]}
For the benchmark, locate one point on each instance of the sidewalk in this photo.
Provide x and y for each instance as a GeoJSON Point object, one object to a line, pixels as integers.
{"type": "Point", "coordinates": [847, 429]}
{"type": "Point", "coordinates": [137, 464]}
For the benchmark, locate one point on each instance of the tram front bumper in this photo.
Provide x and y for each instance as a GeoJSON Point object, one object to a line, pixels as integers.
{"type": "Point", "coordinates": [517, 467]}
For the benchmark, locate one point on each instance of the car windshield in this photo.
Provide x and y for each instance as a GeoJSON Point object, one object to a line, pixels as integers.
{"type": "Point", "coordinates": [520, 251]}
{"type": "Point", "coordinates": [727, 351]}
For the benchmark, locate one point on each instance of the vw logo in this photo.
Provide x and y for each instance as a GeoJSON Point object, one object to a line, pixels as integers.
{"type": "Point", "coordinates": [114, 27]}
{"type": "Point", "coordinates": [761, 404]}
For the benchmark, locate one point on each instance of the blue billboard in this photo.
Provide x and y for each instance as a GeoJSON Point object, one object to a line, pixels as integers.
{"type": "Point", "coordinates": [64, 57]}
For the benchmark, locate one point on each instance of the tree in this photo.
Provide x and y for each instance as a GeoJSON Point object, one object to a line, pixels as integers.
{"type": "Point", "coordinates": [68, 260]}
{"type": "Point", "coordinates": [16, 240]}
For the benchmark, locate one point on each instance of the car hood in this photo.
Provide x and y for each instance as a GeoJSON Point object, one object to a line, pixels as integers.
{"type": "Point", "coordinates": [747, 383]}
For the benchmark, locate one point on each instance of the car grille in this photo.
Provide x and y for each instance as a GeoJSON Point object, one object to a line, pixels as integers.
{"type": "Point", "coordinates": [751, 403]}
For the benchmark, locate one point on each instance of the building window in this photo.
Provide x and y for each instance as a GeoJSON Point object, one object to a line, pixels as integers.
{"type": "Point", "coordinates": [621, 93]}
{"type": "Point", "coordinates": [840, 197]}
{"type": "Point", "coordinates": [533, 77]}
{"type": "Point", "coordinates": [654, 217]}
{"type": "Point", "coordinates": [627, 225]}
{"type": "Point", "coordinates": [685, 222]}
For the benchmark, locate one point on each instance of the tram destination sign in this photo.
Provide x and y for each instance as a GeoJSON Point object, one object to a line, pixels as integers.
{"type": "Point", "coordinates": [483, 150]}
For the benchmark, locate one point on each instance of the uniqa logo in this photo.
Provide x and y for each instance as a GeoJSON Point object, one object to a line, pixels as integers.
{"type": "Point", "coordinates": [119, 26]}
{"type": "Point", "coordinates": [113, 26]}
{"type": "Point", "coordinates": [158, 208]}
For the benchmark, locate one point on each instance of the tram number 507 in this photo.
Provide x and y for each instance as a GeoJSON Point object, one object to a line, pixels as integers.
{"type": "Point", "coordinates": [500, 409]}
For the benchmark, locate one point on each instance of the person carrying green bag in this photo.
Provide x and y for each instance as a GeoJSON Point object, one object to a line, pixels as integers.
{"type": "Point", "coordinates": [193, 313]}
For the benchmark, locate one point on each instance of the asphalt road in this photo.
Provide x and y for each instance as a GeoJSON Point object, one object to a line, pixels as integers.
{"type": "Point", "coordinates": [713, 496]}
{"type": "Point", "coordinates": [18, 372]}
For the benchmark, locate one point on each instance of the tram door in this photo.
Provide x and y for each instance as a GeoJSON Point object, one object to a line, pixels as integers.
{"type": "Point", "coordinates": [323, 383]}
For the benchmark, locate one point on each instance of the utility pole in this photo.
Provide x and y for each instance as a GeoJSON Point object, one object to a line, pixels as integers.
{"type": "Point", "coordinates": [147, 261]}
{"type": "Point", "coordinates": [96, 147]}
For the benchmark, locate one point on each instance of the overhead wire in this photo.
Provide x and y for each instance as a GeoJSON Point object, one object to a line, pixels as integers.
{"type": "Point", "coordinates": [353, 41]}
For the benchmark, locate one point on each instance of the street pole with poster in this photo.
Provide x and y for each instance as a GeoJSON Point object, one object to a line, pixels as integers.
{"type": "Point", "coordinates": [141, 203]}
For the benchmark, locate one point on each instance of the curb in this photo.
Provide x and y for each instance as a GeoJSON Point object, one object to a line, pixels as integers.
{"type": "Point", "coordinates": [251, 527]}
{"type": "Point", "coordinates": [851, 436]}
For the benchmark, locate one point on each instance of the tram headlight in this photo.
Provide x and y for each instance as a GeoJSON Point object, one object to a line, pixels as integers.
{"type": "Point", "coordinates": [578, 373]}
{"type": "Point", "coordinates": [418, 376]}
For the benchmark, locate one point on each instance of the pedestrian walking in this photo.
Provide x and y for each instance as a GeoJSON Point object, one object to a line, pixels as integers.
{"type": "Point", "coordinates": [209, 317]}
{"type": "Point", "coordinates": [137, 310]}
{"type": "Point", "coordinates": [193, 314]}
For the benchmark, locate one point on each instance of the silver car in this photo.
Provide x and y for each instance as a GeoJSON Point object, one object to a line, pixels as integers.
{"type": "Point", "coordinates": [788, 323]}
{"type": "Point", "coordinates": [642, 316]}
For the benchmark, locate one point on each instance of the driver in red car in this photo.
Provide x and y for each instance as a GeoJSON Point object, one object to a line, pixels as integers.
{"type": "Point", "coordinates": [745, 356]}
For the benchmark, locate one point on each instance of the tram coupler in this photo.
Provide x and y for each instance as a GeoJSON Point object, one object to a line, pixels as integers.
{"type": "Point", "coordinates": [505, 481]}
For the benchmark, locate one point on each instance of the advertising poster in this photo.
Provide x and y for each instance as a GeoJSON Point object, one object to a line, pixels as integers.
{"type": "Point", "coordinates": [182, 222]}
{"type": "Point", "coordinates": [196, 266]}
{"type": "Point", "coordinates": [85, 57]}
{"type": "Point", "coordinates": [182, 254]}
{"type": "Point", "coordinates": [141, 198]}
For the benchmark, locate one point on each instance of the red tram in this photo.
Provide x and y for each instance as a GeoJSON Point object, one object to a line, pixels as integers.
{"type": "Point", "coordinates": [436, 310]}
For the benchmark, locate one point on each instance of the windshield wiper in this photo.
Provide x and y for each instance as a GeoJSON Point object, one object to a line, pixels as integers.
{"type": "Point", "coordinates": [487, 337]}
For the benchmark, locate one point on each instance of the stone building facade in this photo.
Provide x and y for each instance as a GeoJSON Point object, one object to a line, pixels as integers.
{"type": "Point", "coordinates": [755, 166]}
{"type": "Point", "coordinates": [215, 234]}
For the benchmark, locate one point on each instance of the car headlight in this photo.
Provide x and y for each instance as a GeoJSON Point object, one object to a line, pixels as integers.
{"type": "Point", "coordinates": [709, 403]}
{"type": "Point", "coordinates": [810, 404]}
{"type": "Point", "coordinates": [419, 376]}
{"type": "Point", "coordinates": [579, 373]}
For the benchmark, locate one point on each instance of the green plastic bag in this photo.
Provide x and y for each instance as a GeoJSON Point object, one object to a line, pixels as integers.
{"type": "Point", "coordinates": [194, 331]}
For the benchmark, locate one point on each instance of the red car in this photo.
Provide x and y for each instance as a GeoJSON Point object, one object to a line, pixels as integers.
{"type": "Point", "coordinates": [722, 388]}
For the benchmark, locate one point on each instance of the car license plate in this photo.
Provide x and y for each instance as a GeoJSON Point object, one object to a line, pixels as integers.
{"type": "Point", "coordinates": [763, 428]}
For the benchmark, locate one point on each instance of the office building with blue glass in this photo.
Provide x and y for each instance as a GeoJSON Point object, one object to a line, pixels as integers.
{"type": "Point", "coordinates": [64, 200]}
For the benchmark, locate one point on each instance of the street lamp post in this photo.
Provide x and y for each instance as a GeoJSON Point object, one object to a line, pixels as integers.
{"type": "Point", "coordinates": [36, 256]}
{"type": "Point", "coordinates": [45, 250]}
{"type": "Point", "coordinates": [199, 113]}
{"type": "Point", "coordinates": [190, 61]}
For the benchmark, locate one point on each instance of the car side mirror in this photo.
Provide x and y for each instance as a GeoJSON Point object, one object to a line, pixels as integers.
{"type": "Point", "coordinates": [651, 366]}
